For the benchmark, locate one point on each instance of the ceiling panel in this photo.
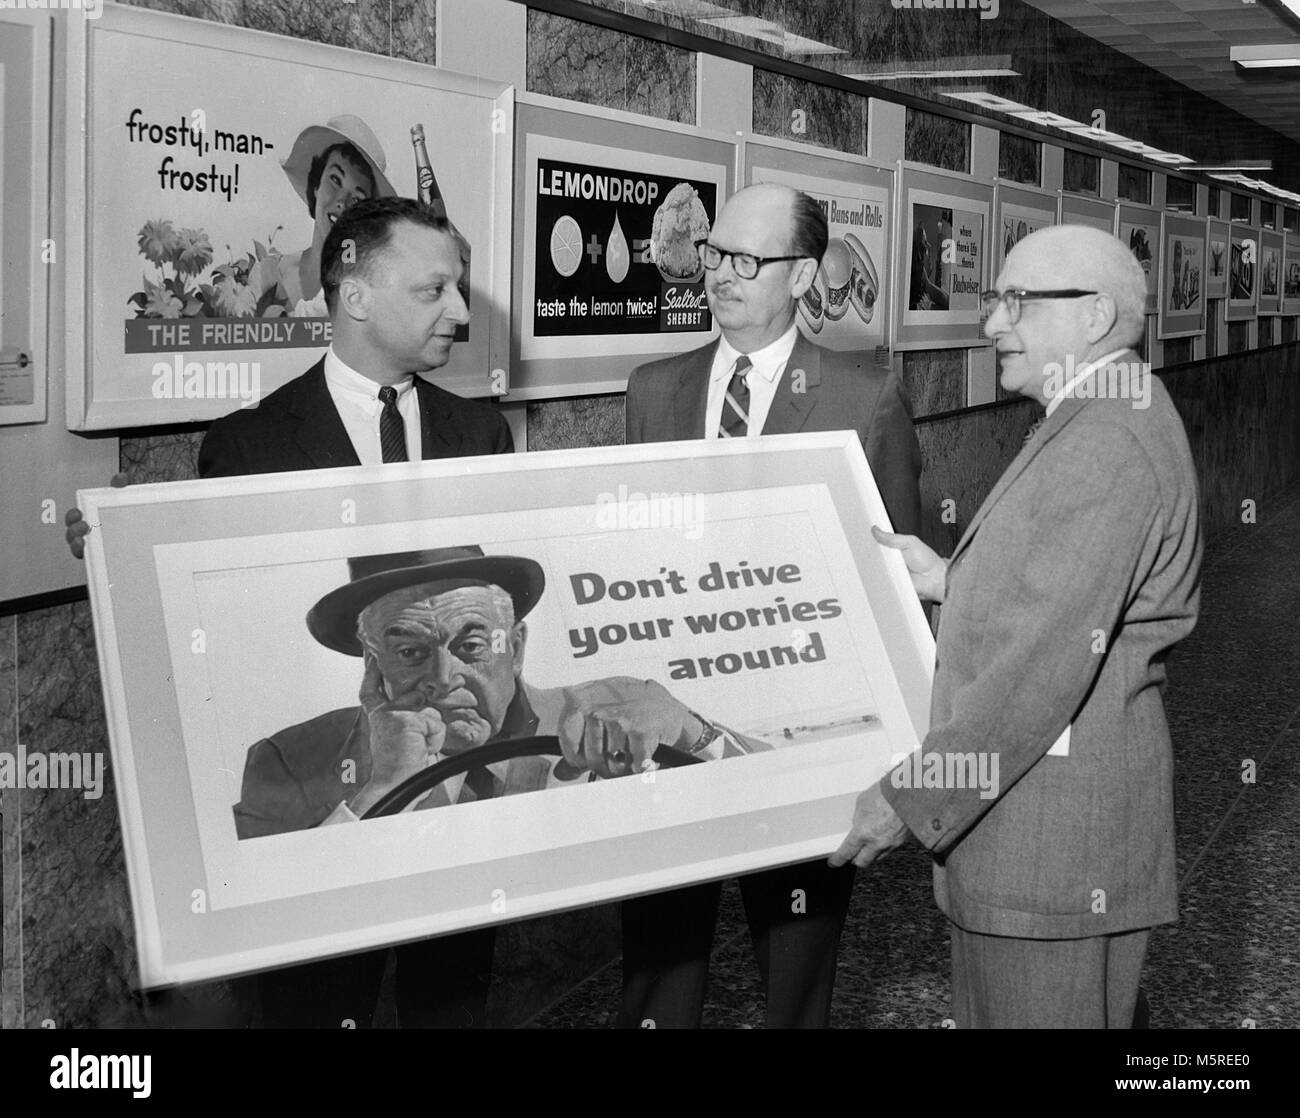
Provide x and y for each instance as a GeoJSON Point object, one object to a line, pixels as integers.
{"type": "Point", "coordinates": [1201, 32]}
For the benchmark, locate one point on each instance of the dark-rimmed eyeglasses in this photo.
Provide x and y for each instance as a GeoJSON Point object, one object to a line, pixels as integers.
{"type": "Point", "coordinates": [1012, 297]}
{"type": "Point", "coordinates": [744, 264]}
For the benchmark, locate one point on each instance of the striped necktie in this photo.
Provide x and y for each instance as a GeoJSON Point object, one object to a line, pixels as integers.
{"type": "Point", "coordinates": [392, 431]}
{"type": "Point", "coordinates": [735, 405]}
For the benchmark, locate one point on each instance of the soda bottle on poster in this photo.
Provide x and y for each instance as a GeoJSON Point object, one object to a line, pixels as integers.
{"type": "Point", "coordinates": [428, 193]}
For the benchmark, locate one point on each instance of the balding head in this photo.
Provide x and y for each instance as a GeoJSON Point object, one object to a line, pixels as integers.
{"type": "Point", "coordinates": [766, 220]}
{"type": "Point", "coordinates": [1066, 332]}
{"type": "Point", "coordinates": [1082, 257]}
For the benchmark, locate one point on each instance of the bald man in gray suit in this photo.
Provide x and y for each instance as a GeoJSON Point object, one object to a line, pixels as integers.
{"type": "Point", "coordinates": [1061, 603]}
{"type": "Point", "coordinates": [761, 377]}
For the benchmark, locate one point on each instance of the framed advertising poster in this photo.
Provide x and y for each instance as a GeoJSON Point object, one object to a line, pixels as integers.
{"type": "Point", "coordinates": [307, 764]}
{"type": "Point", "coordinates": [608, 206]}
{"type": "Point", "coordinates": [1243, 282]}
{"type": "Point", "coordinates": [1019, 210]}
{"type": "Point", "coordinates": [941, 265]}
{"type": "Point", "coordinates": [848, 306]}
{"type": "Point", "coordinates": [1270, 272]}
{"type": "Point", "coordinates": [205, 184]}
{"type": "Point", "coordinates": [1182, 276]}
{"type": "Point", "coordinates": [1217, 285]}
{"type": "Point", "coordinates": [1291, 275]}
{"type": "Point", "coordinates": [25, 254]}
{"type": "Point", "coordinates": [1139, 228]}
{"type": "Point", "coordinates": [1080, 209]}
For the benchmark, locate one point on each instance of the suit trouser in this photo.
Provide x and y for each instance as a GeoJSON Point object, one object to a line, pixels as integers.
{"type": "Point", "coordinates": [440, 984]}
{"type": "Point", "coordinates": [999, 982]}
{"type": "Point", "coordinates": [795, 914]}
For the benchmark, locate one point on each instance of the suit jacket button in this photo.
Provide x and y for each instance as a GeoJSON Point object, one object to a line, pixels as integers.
{"type": "Point", "coordinates": [936, 825]}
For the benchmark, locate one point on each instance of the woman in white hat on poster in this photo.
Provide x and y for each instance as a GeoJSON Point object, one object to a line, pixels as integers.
{"type": "Point", "coordinates": [331, 166]}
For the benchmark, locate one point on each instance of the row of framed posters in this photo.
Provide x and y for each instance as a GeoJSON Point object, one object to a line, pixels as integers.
{"type": "Point", "coordinates": [197, 209]}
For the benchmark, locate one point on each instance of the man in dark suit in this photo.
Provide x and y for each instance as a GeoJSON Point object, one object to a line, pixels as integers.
{"type": "Point", "coordinates": [761, 377]}
{"type": "Point", "coordinates": [391, 273]}
{"type": "Point", "coordinates": [392, 319]}
{"type": "Point", "coordinates": [1061, 603]}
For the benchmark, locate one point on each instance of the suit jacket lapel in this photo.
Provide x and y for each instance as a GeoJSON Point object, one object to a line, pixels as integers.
{"type": "Point", "coordinates": [439, 436]}
{"type": "Point", "coordinates": [1067, 410]}
{"type": "Point", "coordinates": [320, 433]}
{"type": "Point", "coordinates": [691, 400]}
{"type": "Point", "coordinates": [789, 411]}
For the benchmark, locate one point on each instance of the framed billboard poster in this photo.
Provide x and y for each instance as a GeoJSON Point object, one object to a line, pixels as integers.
{"type": "Point", "coordinates": [1271, 275]}
{"type": "Point", "coordinates": [847, 307]}
{"type": "Point", "coordinates": [1081, 209]}
{"type": "Point", "coordinates": [1019, 210]}
{"type": "Point", "coordinates": [1182, 276]}
{"type": "Point", "coordinates": [608, 206]}
{"type": "Point", "coordinates": [202, 203]}
{"type": "Point", "coordinates": [1243, 273]}
{"type": "Point", "coordinates": [359, 706]}
{"type": "Point", "coordinates": [941, 265]}
{"type": "Point", "coordinates": [1216, 286]}
{"type": "Point", "coordinates": [1139, 228]}
{"type": "Point", "coordinates": [1291, 274]}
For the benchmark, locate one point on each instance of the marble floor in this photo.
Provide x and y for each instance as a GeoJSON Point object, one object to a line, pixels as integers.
{"type": "Point", "coordinates": [1233, 959]}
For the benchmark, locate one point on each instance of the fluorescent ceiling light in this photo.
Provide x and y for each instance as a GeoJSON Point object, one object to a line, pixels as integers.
{"type": "Point", "coordinates": [1259, 57]}
{"type": "Point", "coordinates": [990, 101]}
{"type": "Point", "coordinates": [1230, 165]}
{"type": "Point", "coordinates": [754, 28]}
{"type": "Point", "coordinates": [922, 75]}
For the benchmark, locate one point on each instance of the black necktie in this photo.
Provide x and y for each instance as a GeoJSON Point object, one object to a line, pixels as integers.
{"type": "Point", "coordinates": [735, 405]}
{"type": "Point", "coordinates": [392, 431]}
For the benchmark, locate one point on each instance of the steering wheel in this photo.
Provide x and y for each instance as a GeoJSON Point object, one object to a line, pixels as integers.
{"type": "Point", "coordinates": [416, 786]}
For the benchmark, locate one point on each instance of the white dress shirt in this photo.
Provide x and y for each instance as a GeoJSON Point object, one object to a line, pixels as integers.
{"type": "Point", "coordinates": [762, 379]}
{"type": "Point", "coordinates": [356, 398]}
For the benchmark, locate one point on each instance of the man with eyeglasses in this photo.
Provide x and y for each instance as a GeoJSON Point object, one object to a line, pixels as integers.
{"type": "Point", "coordinates": [761, 377]}
{"type": "Point", "coordinates": [1061, 603]}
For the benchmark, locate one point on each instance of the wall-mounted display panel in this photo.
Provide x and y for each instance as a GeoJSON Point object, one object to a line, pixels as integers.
{"type": "Point", "coordinates": [608, 207]}
{"type": "Point", "coordinates": [205, 183]}
{"type": "Point", "coordinates": [847, 307]}
{"type": "Point", "coordinates": [941, 264]}
{"type": "Point", "coordinates": [1183, 250]}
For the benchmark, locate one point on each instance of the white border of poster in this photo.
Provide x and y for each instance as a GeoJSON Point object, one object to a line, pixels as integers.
{"type": "Point", "coordinates": [1291, 260]}
{"type": "Point", "coordinates": [1182, 323]}
{"type": "Point", "coordinates": [1217, 229]}
{"type": "Point", "coordinates": [199, 590]}
{"type": "Point", "coordinates": [1018, 203]}
{"type": "Point", "coordinates": [864, 188]}
{"type": "Point", "coordinates": [109, 388]}
{"type": "Point", "coordinates": [922, 185]}
{"type": "Point", "coordinates": [25, 257]}
{"type": "Point", "coordinates": [1238, 309]}
{"type": "Point", "coordinates": [1271, 240]}
{"type": "Point", "coordinates": [1146, 220]}
{"type": "Point", "coordinates": [546, 127]}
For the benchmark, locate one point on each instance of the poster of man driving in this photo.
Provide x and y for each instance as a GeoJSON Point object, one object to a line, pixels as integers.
{"type": "Point", "coordinates": [418, 694]}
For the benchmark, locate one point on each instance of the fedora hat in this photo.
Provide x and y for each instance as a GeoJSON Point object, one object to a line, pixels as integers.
{"type": "Point", "coordinates": [333, 620]}
{"type": "Point", "coordinates": [318, 138]}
